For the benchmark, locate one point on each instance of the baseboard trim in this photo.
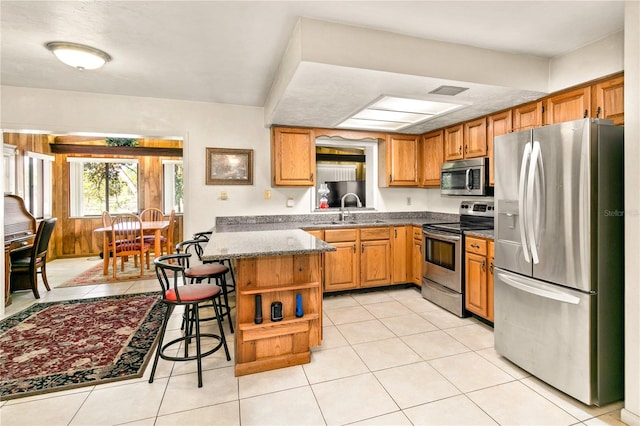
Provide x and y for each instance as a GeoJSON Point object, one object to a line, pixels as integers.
{"type": "Point", "coordinates": [629, 418]}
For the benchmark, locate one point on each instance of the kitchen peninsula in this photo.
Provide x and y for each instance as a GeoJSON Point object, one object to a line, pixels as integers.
{"type": "Point", "coordinates": [273, 266]}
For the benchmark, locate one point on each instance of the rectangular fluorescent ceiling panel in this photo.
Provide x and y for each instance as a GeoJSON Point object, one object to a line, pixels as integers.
{"type": "Point", "coordinates": [391, 113]}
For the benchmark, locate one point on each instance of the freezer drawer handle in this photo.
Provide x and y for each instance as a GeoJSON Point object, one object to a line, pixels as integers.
{"type": "Point", "coordinates": [560, 297]}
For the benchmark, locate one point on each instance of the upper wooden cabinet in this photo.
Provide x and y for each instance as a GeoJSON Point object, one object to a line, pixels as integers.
{"type": "Point", "coordinates": [398, 160]}
{"type": "Point", "coordinates": [432, 158]}
{"type": "Point", "coordinates": [293, 156]}
{"type": "Point", "coordinates": [527, 116]}
{"type": "Point", "coordinates": [567, 106]}
{"type": "Point", "coordinates": [607, 100]}
{"type": "Point", "coordinates": [466, 140]}
{"type": "Point", "coordinates": [475, 138]}
{"type": "Point", "coordinates": [454, 142]}
{"type": "Point", "coordinates": [497, 124]}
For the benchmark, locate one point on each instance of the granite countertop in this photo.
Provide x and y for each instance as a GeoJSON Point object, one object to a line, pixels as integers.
{"type": "Point", "coordinates": [482, 233]}
{"type": "Point", "coordinates": [269, 223]}
{"type": "Point", "coordinates": [234, 245]}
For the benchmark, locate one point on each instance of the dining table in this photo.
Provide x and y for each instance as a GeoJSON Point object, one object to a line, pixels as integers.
{"type": "Point", "coordinates": [148, 228]}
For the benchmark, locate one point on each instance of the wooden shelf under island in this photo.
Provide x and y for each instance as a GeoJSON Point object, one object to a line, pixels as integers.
{"type": "Point", "coordinates": [277, 265]}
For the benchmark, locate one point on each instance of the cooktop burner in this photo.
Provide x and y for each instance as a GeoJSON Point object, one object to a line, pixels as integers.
{"type": "Point", "coordinates": [474, 216]}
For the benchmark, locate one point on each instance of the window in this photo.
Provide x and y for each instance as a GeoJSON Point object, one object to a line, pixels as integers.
{"type": "Point", "coordinates": [38, 187]}
{"type": "Point", "coordinates": [9, 168]}
{"type": "Point", "coordinates": [173, 189]}
{"type": "Point", "coordinates": [99, 184]}
{"type": "Point", "coordinates": [347, 166]}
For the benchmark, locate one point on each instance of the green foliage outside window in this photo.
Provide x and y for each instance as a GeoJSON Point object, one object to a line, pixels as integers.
{"type": "Point", "coordinates": [122, 192]}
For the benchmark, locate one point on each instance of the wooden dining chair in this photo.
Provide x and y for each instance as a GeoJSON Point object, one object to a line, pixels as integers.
{"type": "Point", "coordinates": [156, 215]}
{"type": "Point", "coordinates": [127, 240]}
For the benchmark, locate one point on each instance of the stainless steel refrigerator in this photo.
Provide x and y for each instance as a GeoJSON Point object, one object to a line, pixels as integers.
{"type": "Point", "coordinates": [559, 256]}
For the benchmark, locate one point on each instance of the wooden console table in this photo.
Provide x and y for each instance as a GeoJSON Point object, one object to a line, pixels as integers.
{"type": "Point", "coordinates": [278, 266]}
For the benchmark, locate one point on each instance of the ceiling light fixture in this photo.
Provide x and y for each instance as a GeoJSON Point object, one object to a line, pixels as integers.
{"type": "Point", "coordinates": [78, 55]}
{"type": "Point", "coordinates": [393, 113]}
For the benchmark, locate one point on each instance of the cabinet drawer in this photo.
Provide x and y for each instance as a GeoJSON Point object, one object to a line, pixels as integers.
{"type": "Point", "coordinates": [340, 235]}
{"type": "Point", "coordinates": [476, 245]}
{"type": "Point", "coordinates": [367, 234]}
{"type": "Point", "coordinates": [417, 233]}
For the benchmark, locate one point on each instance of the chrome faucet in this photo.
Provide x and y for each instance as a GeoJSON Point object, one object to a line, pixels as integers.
{"type": "Point", "coordinates": [358, 203]}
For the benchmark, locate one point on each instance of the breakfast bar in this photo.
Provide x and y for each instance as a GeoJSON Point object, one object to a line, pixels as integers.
{"type": "Point", "coordinates": [280, 268]}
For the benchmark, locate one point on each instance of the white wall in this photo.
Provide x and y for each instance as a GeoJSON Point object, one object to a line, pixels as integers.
{"type": "Point", "coordinates": [590, 62]}
{"type": "Point", "coordinates": [202, 125]}
{"type": "Point", "coordinates": [631, 412]}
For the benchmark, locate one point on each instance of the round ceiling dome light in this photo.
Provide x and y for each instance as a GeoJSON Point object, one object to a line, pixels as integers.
{"type": "Point", "coordinates": [77, 55]}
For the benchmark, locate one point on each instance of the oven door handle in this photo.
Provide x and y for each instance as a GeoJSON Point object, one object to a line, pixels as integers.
{"type": "Point", "coordinates": [443, 237]}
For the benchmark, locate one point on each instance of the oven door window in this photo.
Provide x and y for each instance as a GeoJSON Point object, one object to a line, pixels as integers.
{"type": "Point", "coordinates": [441, 253]}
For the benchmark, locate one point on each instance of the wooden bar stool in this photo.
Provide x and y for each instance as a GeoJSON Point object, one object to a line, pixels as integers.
{"type": "Point", "coordinates": [170, 271]}
{"type": "Point", "coordinates": [206, 271]}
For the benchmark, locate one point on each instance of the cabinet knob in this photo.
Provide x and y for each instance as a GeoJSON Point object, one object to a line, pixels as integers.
{"type": "Point", "coordinates": [491, 267]}
{"type": "Point", "coordinates": [475, 246]}
{"type": "Point", "coordinates": [354, 247]}
{"type": "Point", "coordinates": [598, 111]}
{"type": "Point", "coordinates": [586, 113]}
{"type": "Point", "coordinates": [466, 149]}
{"type": "Point", "coordinates": [483, 265]}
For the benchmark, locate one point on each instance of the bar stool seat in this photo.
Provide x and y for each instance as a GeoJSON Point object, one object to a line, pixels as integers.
{"type": "Point", "coordinates": [176, 292]}
{"type": "Point", "coordinates": [207, 271]}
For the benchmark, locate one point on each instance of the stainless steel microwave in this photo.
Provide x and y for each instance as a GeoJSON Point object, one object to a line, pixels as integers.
{"type": "Point", "coordinates": [466, 177]}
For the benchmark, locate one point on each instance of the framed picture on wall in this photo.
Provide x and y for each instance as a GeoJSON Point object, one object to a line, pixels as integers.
{"type": "Point", "coordinates": [227, 166]}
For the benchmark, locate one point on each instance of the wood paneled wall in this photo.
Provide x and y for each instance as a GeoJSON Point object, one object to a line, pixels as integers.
{"type": "Point", "coordinates": [75, 237]}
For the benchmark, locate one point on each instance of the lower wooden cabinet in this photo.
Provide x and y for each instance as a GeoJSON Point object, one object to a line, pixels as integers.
{"type": "Point", "coordinates": [366, 257]}
{"type": "Point", "coordinates": [399, 259]}
{"type": "Point", "coordinates": [476, 277]}
{"type": "Point", "coordinates": [416, 256]}
{"type": "Point", "coordinates": [341, 267]}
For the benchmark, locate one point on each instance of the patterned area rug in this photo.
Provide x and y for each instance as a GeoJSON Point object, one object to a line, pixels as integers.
{"type": "Point", "coordinates": [55, 346]}
{"type": "Point", "coordinates": [94, 275]}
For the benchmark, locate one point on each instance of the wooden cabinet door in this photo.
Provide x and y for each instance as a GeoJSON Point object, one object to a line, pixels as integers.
{"type": "Point", "coordinates": [416, 263]}
{"type": "Point", "coordinates": [432, 158]}
{"type": "Point", "coordinates": [568, 106]}
{"type": "Point", "coordinates": [608, 100]}
{"type": "Point", "coordinates": [527, 116]}
{"type": "Point", "coordinates": [293, 157]}
{"type": "Point", "coordinates": [341, 267]}
{"type": "Point", "coordinates": [475, 138]}
{"type": "Point", "coordinates": [490, 258]}
{"type": "Point", "coordinates": [453, 142]}
{"type": "Point", "coordinates": [497, 124]}
{"type": "Point", "coordinates": [476, 284]}
{"type": "Point", "coordinates": [399, 260]}
{"type": "Point", "coordinates": [402, 160]}
{"type": "Point", "coordinates": [375, 260]}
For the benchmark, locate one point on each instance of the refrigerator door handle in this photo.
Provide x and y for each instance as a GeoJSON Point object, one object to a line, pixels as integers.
{"type": "Point", "coordinates": [533, 167]}
{"type": "Point", "coordinates": [522, 216]}
{"type": "Point", "coordinates": [558, 296]}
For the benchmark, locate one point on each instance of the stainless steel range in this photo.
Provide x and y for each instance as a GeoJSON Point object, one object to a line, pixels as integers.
{"type": "Point", "coordinates": [443, 255]}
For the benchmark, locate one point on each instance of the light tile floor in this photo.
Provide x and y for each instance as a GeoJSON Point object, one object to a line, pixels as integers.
{"type": "Point", "coordinates": [387, 358]}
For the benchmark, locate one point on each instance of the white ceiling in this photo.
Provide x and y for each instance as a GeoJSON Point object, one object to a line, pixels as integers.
{"type": "Point", "coordinates": [230, 51]}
